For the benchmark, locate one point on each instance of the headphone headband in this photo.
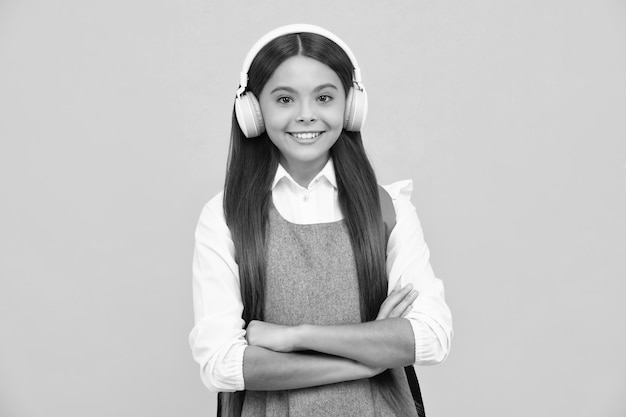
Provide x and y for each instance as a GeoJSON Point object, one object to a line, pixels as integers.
{"type": "Point", "coordinates": [289, 29]}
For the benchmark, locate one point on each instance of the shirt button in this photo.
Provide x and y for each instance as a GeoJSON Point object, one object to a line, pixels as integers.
{"type": "Point", "coordinates": [305, 198]}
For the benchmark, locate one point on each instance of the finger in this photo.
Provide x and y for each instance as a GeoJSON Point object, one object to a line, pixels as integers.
{"type": "Point", "coordinates": [384, 311]}
{"type": "Point", "coordinates": [396, 296]}
{"type": "Point", "coordinates": [385, 308]}
{"type": "Point", "coordinates": [392, 301]}
{"type": "Point", "coordinates": [407, 310]}
{"type": "Point", "coordinates": [402, 305]}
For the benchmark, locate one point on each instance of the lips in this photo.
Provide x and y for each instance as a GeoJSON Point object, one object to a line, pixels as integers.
{"type": "Point", "coordinates": [305, 135]}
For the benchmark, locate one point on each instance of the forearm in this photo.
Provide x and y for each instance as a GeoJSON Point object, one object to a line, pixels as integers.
{"type": "Point", "coordinates": [266, 370]}
{"type": "Point", "coordinates": [388, 343]}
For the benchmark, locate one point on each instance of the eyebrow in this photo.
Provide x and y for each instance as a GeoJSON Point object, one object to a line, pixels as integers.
{"type": "Point", "coordinates": [316, 89]}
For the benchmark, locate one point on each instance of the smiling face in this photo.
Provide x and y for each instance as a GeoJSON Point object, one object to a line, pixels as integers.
{"type": "Point", "coordinates": [303, 105]}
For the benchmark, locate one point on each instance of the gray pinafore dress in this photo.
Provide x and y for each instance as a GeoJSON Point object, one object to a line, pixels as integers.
{"type": "Point", "coordinates": [311, 278]}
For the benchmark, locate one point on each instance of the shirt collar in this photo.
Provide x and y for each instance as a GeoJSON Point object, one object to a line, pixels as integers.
{"type": "Point", "coordinates": [327, 172]}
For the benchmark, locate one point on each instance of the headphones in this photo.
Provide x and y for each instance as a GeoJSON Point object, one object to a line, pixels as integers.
{"type": "Point", "coordinates": [248, 110]}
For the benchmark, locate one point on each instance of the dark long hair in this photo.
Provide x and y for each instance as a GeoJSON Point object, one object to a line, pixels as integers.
{"type": "Point", "coordinates": [252, 164]}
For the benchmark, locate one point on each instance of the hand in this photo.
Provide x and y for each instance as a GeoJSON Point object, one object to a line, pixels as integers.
{"type": "Point", "coordinates": [398, 303]}
{"type": "Point", "coordinates": [270, 336]}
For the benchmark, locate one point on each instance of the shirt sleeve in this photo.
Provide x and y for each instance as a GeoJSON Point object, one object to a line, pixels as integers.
{"type": "Point", "coordinates": [408, 262]}
{"type": "Point", "coordinates": [217, 339]}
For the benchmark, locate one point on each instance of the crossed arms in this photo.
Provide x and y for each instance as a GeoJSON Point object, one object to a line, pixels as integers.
{"type": "Point", "coordinates": [289, 357]}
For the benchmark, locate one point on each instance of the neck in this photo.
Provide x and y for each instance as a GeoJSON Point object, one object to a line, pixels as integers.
{"type": "Point", "coordinates": [304, 172]}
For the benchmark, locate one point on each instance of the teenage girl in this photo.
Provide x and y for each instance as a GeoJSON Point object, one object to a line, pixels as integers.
{"type": "Point", "coordinates": [309, 298]}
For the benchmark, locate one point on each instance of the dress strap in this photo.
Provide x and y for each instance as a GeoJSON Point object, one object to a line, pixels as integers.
{"type": "Point", "coordinates": [388, 212]}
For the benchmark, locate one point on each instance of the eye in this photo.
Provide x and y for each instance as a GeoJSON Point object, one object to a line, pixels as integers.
{"type": "Point", "coordinates": [324, 98]}
{"type": "Point", "coordinates": [284, 100]}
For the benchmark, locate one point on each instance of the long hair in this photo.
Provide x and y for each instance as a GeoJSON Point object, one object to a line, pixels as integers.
{"type": "Point", "coordinates": [252, 164]}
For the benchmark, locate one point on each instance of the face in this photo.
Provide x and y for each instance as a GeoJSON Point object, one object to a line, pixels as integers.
{"type": "Point", "coordinates": [303, 106]}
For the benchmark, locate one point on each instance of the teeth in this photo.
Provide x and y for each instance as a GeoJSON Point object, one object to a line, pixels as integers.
{"type": "Point", "coordinates": [308, 135]}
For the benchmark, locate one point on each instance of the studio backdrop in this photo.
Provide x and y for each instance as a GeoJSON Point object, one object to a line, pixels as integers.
{"type": "Point", "coordinates": [114, 129]}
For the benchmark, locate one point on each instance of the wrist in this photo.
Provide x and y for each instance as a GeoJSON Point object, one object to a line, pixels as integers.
{"type": "Point", "coordinates": [298, 336]}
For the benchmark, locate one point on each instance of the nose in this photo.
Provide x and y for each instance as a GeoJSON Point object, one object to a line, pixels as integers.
{"type": "Point", "coordinates": [306, 114]}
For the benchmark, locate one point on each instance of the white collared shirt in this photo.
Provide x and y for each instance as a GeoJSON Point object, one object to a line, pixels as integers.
{"type": "Point", "coordinates": [309, 205]}
{"type": "Point", "coordinates": [218, 338]}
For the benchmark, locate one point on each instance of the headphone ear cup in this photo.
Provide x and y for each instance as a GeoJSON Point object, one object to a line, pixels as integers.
{"type": "Point", "coordinates": [249, 116]}
{"type": "Point", "coordinates": [356, 110]}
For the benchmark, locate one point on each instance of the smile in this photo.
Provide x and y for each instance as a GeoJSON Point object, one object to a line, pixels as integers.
{"type": "Point", "coordinates": [305, 135]}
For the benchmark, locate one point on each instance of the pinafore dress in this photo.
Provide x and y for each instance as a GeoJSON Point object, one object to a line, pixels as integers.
{"type": "Point", "coordinates": [311, 278]}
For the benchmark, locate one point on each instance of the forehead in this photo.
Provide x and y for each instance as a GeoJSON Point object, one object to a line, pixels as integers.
{"type": "Point", "coordinates": [300, 72]}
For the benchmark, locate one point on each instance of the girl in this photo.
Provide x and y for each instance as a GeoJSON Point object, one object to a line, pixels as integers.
{"type": "Point", "coordinates": [306, 301]}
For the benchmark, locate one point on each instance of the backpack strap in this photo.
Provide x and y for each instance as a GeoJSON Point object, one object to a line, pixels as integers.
{"type": "Point", "coordinates": [389, 219]}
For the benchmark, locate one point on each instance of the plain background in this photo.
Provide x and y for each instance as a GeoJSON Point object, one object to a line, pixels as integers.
{"type": "Point", "coordinates": [508, 116]}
